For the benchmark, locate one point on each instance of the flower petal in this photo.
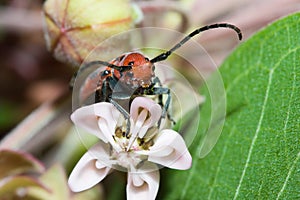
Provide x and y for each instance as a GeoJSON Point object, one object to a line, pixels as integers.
{"type": "Point", "coordinates": [137, 125]}
{"type": "Point", "coordinates": [169, 149]}
{"type": "Point", "coordinates": [108, 117]}
{"type": "Point", "coordinates": [88, 117]}
{"type": "Point", "coordinates": [85, 118]}
{"type": "Point", "coordinates": [108, 134]}
{"type": "Point", "coordinates": [154, 111]}
{"type": "Point", "coordinates": [142, 185]}
{"type": "Point", "coordinates": [108, 113]}
{"type": "Point", "coordinates": [89, 170]}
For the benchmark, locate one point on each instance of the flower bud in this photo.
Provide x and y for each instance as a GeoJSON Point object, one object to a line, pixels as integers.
{"type": "Point", "coordinates": [73, 28]}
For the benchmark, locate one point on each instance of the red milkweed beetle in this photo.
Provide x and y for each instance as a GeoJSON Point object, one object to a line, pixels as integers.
{"type": "Point", "coordinates": [132, 74]}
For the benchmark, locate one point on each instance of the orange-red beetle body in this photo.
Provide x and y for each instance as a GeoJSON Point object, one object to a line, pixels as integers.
{"type": "Point", "coordinates": [132, 74]}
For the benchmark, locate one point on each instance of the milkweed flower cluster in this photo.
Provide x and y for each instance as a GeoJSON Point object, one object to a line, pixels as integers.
{"type": "Point", "coordinates": [139, 152]}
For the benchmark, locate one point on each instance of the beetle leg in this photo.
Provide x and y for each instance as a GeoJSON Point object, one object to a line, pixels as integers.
{"type": "Point", "coordinates": [102, 93]}
{"type": "Point", "coordinates": [161, 91]}
{"type": "Point", "coordinates": [124, 113]}
{"type": "Point", "coordinates": [104, 88]}
{"type": "Point", "coordinates": [160, 100]}
{"type": "Point", "coordinates": [160, 96]}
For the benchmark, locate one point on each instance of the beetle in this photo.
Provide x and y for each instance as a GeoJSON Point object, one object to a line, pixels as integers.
{"type": "Point", "coordinates": [133, 74]}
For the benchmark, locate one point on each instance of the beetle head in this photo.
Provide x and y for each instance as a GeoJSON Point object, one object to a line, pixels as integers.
{"type": "Point", "coordinates": [142, 71]}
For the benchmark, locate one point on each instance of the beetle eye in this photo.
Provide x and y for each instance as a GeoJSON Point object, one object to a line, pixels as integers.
{"type": "Point", "coordinates": [105, 72]}
{"type": "Point", "coordinates": [147, 59]}
{"type": "Point", "coordinates": [131, 63]}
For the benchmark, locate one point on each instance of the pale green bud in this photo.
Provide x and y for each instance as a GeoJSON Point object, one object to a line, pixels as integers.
{"type": "Point", "coordinates": [73, 28]}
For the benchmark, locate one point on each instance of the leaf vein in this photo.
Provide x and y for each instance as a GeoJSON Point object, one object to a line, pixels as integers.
{"type": "Point", "coordinates": [288, 175]}
{"type": "Point", "coordinates": [255, 135]}
{"type": "Point", "coordinates": [189, 178]}
{"type": "Point", "coordinates": [284, 56]}
{"type": "Point", "coordinates": [284, 131]}
{"type": "Point", "coordinates": [220, 161]}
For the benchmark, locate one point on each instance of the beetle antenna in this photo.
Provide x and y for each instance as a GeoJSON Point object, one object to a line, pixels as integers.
{"type": "Point", "coordinates": [166, 54]}
{"type": "Point", "coordinates": [98, 62]}
{"type": "Point", "coordinates": [107, 64]}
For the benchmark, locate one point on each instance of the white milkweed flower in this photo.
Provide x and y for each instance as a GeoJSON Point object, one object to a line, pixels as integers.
{"type": "Point", "coordinates": [139, 152]}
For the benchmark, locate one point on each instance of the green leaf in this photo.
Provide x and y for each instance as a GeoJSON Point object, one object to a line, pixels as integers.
{"type": "Point", "coordinates": [257, 154]}
{"type": "Point", "coordinates": [13, 162]}
{"type": "Point", "coordinates": [55, 180]}
{"type": "Point", "coordinates": [95, 193]}
{"type": "Point", "coordinates": [7, 114]}
{"type": "Point", "coordinates": [13, 186]}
